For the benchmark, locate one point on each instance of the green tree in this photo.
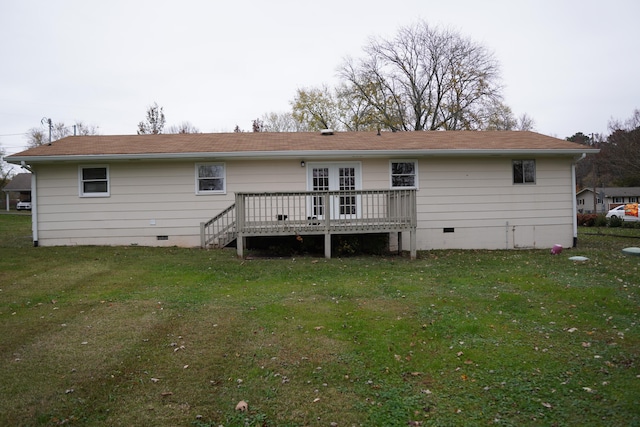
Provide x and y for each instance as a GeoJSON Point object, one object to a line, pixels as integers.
{"type": "Point", "coordinates": [315, 108]}
{"type": "Point", "coordinates": [154, 122]}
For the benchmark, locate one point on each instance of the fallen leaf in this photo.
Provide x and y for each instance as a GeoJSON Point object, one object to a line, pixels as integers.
{"type": "Point", "coordinates": [166, 393]}
{"type": "Point", "coordinates": [316, 400]}
{"type": "Point", "coordinates": [155, 380]}
{"type": "Point", "coordinates": [547, 405]}
{"type": "Point", "coordinates": [242, 406]}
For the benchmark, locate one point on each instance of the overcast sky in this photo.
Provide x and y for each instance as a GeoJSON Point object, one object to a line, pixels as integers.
{"type": "Point", "coordinates": [571, 65]}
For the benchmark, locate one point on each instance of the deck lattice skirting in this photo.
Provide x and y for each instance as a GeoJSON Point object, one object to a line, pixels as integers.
{"type": "Point", "coordinates": [313, 213]}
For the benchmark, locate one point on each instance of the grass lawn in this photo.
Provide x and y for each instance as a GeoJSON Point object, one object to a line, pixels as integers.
{"type": "Point", "coordinates": [125, 336]}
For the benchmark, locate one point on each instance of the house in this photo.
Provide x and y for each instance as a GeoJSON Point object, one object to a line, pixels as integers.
{"type": "Point", "coordinates": [607, 198]}
{"type": "Point", "coordinates": [19, 185]}
{"type": "Point", "coordinates": [427, 190]}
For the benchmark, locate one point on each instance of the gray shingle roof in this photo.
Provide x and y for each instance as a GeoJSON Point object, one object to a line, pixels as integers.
{"type": "Point", "coordinates": [20, 182]}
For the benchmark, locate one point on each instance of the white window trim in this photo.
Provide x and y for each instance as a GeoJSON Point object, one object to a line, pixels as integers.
{"type": "Point", "coordinates": [417, 178]}
{"type": "Point", "coordinates": [81, 192]}
{"type": "Point", "coordinates": [224, 178]}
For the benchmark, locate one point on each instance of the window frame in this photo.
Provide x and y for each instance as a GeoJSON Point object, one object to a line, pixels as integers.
{"type": "Point", "coordinates": [82, 181]}
{"type": "Point", "coordinates": [223, 178]}
{"type": "Point", "coordinates": [524, 174]}
{"type": "Point", "coordinates": [415, 174]}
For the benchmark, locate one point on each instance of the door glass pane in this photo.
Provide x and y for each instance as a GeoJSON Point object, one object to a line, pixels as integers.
{"type": "Point", "coordinates": [347, 182]}
{"type": "Point", "coordinates": [320, 183]}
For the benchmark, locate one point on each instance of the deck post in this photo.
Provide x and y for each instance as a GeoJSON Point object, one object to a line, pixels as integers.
{"type": "Point", "coordinates": [412, 239]}
{"type": "Point", "coordinates": [240, 245]}
{"type": "Point", "coordinates": [203, 240]}
{"type": "Point", "coordinates": [240, 219]}
{"type": "Point", "coordinates": [327, 246]}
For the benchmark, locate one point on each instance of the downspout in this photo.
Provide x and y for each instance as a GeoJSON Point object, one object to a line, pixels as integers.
{"type": "Point", "coordinates": [34, 204]}
{"type": "Point", "coordinates": [573, 195]}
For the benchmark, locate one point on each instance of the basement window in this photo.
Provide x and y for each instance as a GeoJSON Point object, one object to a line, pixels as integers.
{"type": "Point", "coordinates": [94, 181]}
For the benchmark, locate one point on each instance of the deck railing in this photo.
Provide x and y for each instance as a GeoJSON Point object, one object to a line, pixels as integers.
{"type": "Point", "coordinates": [313, 212]}
{"type": "Point", "coordinates": [220, 230]}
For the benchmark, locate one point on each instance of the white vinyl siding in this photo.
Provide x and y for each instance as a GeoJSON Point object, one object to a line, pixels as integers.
{"type": "Point", "coordinates": [474, 196]}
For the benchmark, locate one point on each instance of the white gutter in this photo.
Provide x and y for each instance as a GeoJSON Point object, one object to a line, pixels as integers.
{"type": "Point", "coordinates": [34, 202]}
{"type": "Point", "coordinates": [295, 154]}
{"type": "Point", "coordinates": [573, 195]}
{"type": "Point", "coordinates": [34, 207]}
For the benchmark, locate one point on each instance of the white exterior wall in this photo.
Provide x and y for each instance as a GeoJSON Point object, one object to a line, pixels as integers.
{"type": "Point", "coordinates": [143, 193]}
{"type": "Point", "coordinates": [475, 197]}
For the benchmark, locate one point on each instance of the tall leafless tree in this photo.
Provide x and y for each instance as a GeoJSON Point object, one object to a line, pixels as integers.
{"type": "Point", "coordinates": [425, 78]}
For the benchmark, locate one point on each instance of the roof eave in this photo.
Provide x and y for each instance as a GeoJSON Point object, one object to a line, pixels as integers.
{"type": "Point", "coordinates": [295, 154]}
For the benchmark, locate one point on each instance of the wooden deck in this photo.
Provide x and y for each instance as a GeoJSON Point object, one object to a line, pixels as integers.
{"type": "Point", "coordinates": [313, 213]}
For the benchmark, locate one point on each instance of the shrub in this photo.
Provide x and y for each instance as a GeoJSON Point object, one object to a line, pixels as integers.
{"type": "Point", "coordinates": [614, 221]}
{"type": "Point", "coordinates": [630, 224]}
{"type": "Point", "coordinates": [587, 220]}
{"type": "Point", "coordinates": [600, 221]}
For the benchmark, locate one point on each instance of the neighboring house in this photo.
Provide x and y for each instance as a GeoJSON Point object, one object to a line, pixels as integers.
{"type": "Point", "coordinates": [606, 198]}
{"type": "Point", "coordinates": [20, 186]}
{"type": "Point", "coordinates": [438, 190]}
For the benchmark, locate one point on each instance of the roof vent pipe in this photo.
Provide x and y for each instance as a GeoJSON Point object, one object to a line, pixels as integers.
{"type": "Point", "coordinates": [326, 132]}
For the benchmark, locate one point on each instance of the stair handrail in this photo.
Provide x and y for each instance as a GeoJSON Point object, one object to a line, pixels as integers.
{"type": "Point", "coordinates": [219, 230]}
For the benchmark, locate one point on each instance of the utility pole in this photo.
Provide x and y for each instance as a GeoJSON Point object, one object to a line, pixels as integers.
{"type": "Point", "coordinates": [50, 124]}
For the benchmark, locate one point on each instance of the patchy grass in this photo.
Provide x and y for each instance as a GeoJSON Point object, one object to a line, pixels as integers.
{"type": "Point", "coordinates": [169, 336]}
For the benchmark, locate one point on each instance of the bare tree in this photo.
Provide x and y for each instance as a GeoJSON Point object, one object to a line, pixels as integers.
{"type": "Point", "coordinates": [525, 122]}
{"type": "Point", "coordinates": [257, 125]}
{"type": "Point", "coordinates": [425, 79]}
{"type": "Point", "coordinates": [154, 122]}
{"type": "Point", "coordinates": [5, 171]}
{"type": "Point", "coordinates": [621, 153]}
{"type": "Point", "coordinates": [40, 135]}
{"type": "Point", "coordinates": [184, 127]}
{"type": "Point", "coordinates": [281, 122]}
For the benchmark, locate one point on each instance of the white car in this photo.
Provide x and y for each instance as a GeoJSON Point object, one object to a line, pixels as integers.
{"type": "Point", "coordinates": [23, 206]}
{"type": "Point", "coordinates": [618, 212]}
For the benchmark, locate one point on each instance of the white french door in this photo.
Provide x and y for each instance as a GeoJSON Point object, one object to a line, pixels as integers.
{"type": "Point", "coordinates": [334, 177]}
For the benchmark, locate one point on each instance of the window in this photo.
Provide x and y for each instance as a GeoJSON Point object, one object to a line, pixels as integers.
{"type": "Point", "coordinates": [618, 200]}
{"type": "Point", "coordinates": [524, 171]}
{"type": "Point", "coordinates": [633, 200]}
{"type": "Point", "coordinates": [404, 174]}
{"type": "Point", "coordinates": [94, 181]}
{"type": "Point", "coordinates": [210, 178]}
